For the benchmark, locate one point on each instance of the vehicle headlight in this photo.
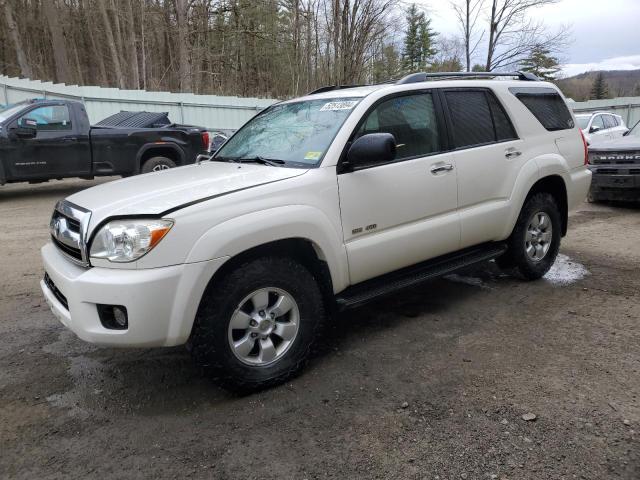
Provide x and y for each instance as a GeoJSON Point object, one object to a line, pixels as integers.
{"type": "Point", "coordinates": [128, 240]}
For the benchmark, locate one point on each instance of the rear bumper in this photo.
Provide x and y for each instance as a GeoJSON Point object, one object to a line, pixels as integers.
{"type": "Point", "coordinates": [161, 302]}
{"type": "Point", "coordinates": [578, 187]}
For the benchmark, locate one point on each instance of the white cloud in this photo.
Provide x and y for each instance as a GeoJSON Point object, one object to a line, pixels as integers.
{"type": "Point", "coordinates": [631, 62]}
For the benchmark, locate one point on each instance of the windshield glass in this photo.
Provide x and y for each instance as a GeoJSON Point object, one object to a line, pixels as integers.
{"type": "Point", "coordinates": [635, 130]}
{"type": "Point", "coordinates": [583, 121]}
{"type": "Point", "coordinates": [6, 112]}
{"type": "Point", "coordinates": [298, 133]}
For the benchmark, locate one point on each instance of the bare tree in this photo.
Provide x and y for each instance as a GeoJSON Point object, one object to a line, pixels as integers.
{"type": "Point", "coordinates": [184, 66]}
{"type": "Point", "coordinates": [25, 67]}
{"type": "Point", "coordinates": [512, 35]}
{"type": "Point", "coordinates": [467, 13]}
{"type": "Point", "coordinates": [111, 44]}
{"type": "Point", "coordinates": [60, 56]}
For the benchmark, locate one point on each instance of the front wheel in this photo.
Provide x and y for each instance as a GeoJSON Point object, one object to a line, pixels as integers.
{"type": "Point", "coordinates": [535, 240]}
{"type": "Point", "coordinates": [255, 327]}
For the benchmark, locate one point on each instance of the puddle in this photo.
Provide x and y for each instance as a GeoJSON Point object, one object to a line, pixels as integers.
{"type": "Point", "coordinates": [565, 271]}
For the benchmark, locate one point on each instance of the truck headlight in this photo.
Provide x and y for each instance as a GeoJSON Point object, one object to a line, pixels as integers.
{"type": "Point", "coordinates": [128, 240]}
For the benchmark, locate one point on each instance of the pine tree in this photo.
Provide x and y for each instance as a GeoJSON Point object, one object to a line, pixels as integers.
{"type": "Point", "coordinates": [600, 89]}
{"type": "Point", "coordinates": [419, 41]}
{"type": "Point", "coordinates": [541, 63]}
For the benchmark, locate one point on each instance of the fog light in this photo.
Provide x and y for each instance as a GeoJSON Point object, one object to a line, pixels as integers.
{"type": "Point", "coordinates": [113, 317]}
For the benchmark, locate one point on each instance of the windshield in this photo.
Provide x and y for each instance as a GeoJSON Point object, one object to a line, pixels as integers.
{"type": "Point", "coordinates": [297, 133]}
{"type": "Point", "coordinates": [9, 110]}
{"type": "Point", "coordinates": [635, 130]}
{"type": "Point", "coordinates": [583, 120]}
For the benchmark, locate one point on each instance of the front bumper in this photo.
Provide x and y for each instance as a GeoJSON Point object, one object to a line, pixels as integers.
{"type": "Point", "coordinates": [621, 185]}
{"type": "Point", "coordinates": [161, 302]}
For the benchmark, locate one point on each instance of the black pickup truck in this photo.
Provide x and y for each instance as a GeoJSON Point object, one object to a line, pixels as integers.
{"type": "Point", "coordinates": [42, 140]}
{"type": "Point", "coordinates": [615, 165]}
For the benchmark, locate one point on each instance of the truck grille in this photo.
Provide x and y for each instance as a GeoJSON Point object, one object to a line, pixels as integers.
{"type": "Point", "coordinates": [614, 158]}
{"type": "Point", "coordinates": [68, 229]}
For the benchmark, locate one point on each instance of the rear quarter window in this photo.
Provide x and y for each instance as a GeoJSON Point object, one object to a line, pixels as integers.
{"type": "Point", "coordinates": [547, 106]}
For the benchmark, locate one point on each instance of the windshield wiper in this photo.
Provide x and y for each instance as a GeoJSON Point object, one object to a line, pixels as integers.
{"type": "Point", "coordinates": [274, 162]}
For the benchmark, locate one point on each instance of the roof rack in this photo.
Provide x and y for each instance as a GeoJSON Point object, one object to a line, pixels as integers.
{"type": "Point", "coordinates": [328, 88]}
{"type": "Point", "coordinates": [423, 76]}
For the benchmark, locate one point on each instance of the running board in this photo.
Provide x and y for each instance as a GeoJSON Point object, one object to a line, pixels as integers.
{"type": "Point", "coordinates": [368, 290]}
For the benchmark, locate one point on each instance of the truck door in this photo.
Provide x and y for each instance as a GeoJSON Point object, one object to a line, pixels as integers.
{"type": "Point", "coordinates": [56, 151]}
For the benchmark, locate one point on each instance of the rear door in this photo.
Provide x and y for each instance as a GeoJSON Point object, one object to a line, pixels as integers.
{"type": "Point", "coordinates": [401, 212]}
{"type": "Point", "coordinates": [488, 156]}
{"type": "Point", "coordinates": [55, 151]}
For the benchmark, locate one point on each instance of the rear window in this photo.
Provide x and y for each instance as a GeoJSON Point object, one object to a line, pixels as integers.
{"type": "Point", "coordinates": [547, 106]}
{"type": "Point", "coordinates": [477, 118]}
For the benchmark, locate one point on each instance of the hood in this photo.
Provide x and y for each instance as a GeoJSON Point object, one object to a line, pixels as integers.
{"type": "Point", "coordinates": [630, 142]}
{"type": "Point", "coordinates": [158, 192]}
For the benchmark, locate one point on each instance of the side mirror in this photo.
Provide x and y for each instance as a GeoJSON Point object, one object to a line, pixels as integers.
{"type": "Point", "coordinates": [594, 129]}
{"type": "Point", "coordinates": [371, 149]}
{"type": "Point", "coordinates": [28, 129]}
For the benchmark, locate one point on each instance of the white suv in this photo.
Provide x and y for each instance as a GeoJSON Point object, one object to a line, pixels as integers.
{"type": "Point", "coordinates": [318, 203]}
{"type": "Point", "coordinates": [601, 126]}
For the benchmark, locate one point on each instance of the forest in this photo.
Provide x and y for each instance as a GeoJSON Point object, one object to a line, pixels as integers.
{"type": "Point", "coordinates": [264, 48]}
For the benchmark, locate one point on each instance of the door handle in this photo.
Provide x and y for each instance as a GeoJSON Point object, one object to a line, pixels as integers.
{"type": "Point", "coordinates": [71, 139]}
{"type": "Point", "coordinates": [512, 153]}
{"type": "Point", "coordinates": [447, 167]}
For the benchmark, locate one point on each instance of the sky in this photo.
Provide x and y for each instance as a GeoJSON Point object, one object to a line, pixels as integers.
{"type": "Point", "coordinates": [606, 33]}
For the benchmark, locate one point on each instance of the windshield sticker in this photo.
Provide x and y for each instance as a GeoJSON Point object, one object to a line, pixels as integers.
{"type": "Point", "coordinates": [313, 156]}
{"type": "Point", "coordinates": [332, 106]}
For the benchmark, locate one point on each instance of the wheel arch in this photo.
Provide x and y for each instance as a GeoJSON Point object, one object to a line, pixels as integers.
{"type": "Point", "coordinates": [556, 186]}
{"type": "Point", "coordinates": [168, 150]}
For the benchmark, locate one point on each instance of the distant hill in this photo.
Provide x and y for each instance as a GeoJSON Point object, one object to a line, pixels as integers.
{"type": "Point", "coordinates": [621, 83]}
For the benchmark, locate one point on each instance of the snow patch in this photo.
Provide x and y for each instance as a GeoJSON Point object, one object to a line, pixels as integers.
{"type": "Point", "coordinates": [565, 271]}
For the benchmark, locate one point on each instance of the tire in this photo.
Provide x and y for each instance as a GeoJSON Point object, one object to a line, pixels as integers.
{"type": "Point", "coordinates": [533, 245]}
{"type": "Point", "coordinates": [155, 164]}
{"type": "Point", "coordinates": [232, 300]}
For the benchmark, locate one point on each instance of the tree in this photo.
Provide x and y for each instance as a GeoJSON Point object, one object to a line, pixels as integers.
{"type": "Point", "coordinates": [25, 68]}
{"type": "Point", "coordinates": [540, 62]}
{"type": "Point", "coordinates": [419, 42]}
{"type": "Point", "coordinates": [512, 35]}
{"type": "Point", "coordinates": [467, 15]}
{"type": "Point", "coordinates": [60, 56]}
{"type": "Point", "coordinates": [600, 89]}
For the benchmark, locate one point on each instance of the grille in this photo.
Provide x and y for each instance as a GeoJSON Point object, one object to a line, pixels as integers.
{"type": "Point", "coordinates": [67, 226]}
{"type": "Point", "coordinates": [56, 293]}
{"type": "Point", "coordinates": [617, 158]}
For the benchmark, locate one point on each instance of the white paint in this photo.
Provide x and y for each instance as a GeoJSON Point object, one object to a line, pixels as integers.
{"type": "Point", "coordinates": [565, 271]}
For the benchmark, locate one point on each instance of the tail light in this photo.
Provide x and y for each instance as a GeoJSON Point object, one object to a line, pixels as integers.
{"type": "Point", "coordinates": [205, 140]}
{"type": "Point", "coordinates": [586, 148]}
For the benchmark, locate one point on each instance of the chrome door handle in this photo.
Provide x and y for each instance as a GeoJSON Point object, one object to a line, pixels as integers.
{"type": "Point", "coordinates": [447, 167]}
{"type": "Point", "coordinates": [512, 153]}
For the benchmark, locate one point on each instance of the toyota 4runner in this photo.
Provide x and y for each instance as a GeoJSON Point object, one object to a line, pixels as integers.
{"type": "Point", "coordinates": [317, 204]}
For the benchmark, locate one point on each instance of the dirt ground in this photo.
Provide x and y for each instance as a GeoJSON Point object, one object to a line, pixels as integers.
{"type": "Point", "coordinates": [431, 383]}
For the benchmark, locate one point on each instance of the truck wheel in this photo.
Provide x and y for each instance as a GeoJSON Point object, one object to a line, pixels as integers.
{"type": "Point", "coordinates": [535, 240]}
{"type": "Point", "coordinates": [155, 164]}
{"type": "Point", "coordinates": [254, 329]}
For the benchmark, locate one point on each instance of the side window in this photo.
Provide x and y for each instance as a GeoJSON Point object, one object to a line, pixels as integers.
{"type": "Point", "coordinates": [471, 118]}
{"type": "Point", "coordinates": [501, 122]}
{"type": "Point", "coordinates": [547, 106]}
{"type": "Point", "coordinates": [411, 119]}
{"type": "Point", "coordinates": [50, 118]}
{"type": "Point", "coordinates": [598, 122]}
{"type": "Point", "coordinates": [609, 121]}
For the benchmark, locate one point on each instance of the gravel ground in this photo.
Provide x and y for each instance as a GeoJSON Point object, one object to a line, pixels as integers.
{"type": "Point", "coordinates": [431, 383]}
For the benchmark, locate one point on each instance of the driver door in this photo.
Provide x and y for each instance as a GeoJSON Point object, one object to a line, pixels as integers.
{"type": "Point", "coordinates": [402, 212]}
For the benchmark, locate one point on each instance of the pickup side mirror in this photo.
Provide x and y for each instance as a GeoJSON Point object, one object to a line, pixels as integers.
{"type": "Point", "coordinates": [371, 149]}
{"type": "Point", "coordinates": [594, 129]}
{"type": "Point", "coordinates": [27, 129]}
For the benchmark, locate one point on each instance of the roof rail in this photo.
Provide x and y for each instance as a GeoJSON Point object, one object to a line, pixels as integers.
{"type": "Point", "coordinates": [328, 88]}
{"type": "Point", "coordinates": [424, 76]}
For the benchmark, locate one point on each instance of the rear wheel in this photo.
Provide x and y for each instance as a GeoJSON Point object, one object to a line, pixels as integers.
{"type": "Point", "coordinates": [535, 240]}
{"type": "Point", "coordinates": [157, 164]}
{"type": "Point", "coordinates": [255, 327]}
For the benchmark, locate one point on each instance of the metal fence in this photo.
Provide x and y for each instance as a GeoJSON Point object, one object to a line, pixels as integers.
{"type": "Point", "coordinates": [210, 111]}
{"type": "Point", "coordinates": [627, 107]}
